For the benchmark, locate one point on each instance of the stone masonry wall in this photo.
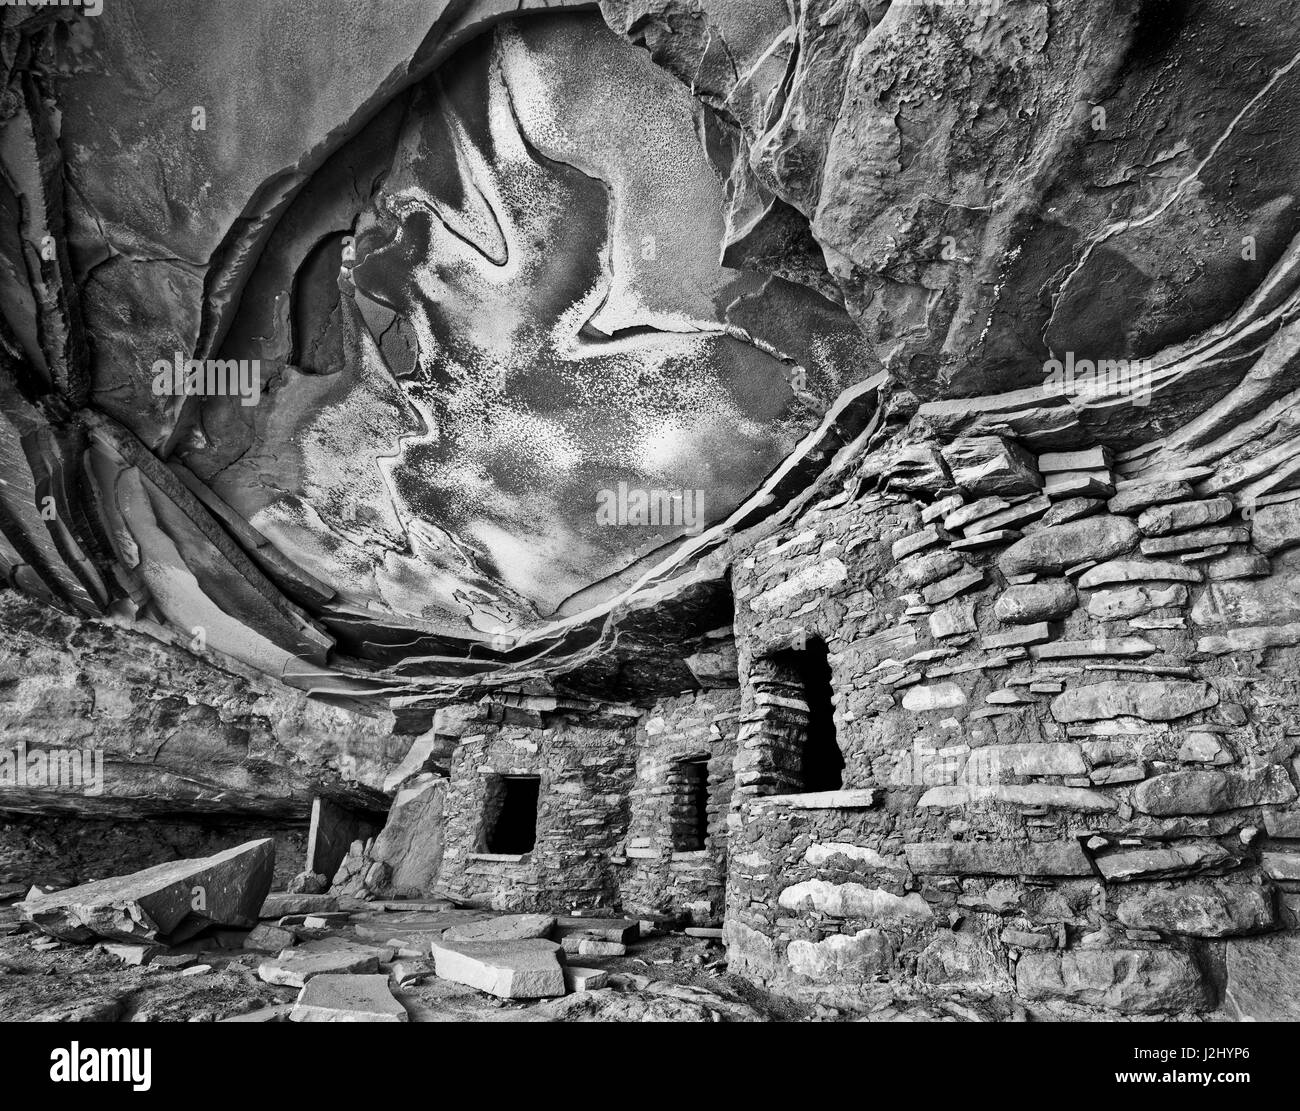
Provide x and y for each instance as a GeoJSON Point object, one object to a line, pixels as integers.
{"type": "Point", "coordinates": [657, 880]}
{"type": "Point", "coordinates": [586, 770]}
{"type": "Point", "coordinates": [1067, 704]}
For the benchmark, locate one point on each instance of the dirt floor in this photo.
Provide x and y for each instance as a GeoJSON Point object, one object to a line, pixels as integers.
{"type": "Point", "coordinates": [666, 977]}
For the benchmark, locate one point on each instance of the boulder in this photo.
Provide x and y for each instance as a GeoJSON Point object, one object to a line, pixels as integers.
{"type": "Point", "coordinates": [184, 895]}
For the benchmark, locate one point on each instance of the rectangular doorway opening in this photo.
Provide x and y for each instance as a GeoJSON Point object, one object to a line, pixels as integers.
{"type": "Point", "coordinates": [510, 815]}
{"type": "Point", "coordinates": [689, 780]}
{"type": "Point", "coordinates": [818, 763]}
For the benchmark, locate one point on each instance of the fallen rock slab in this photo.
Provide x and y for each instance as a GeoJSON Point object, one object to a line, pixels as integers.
{"type": "Point", "coordinates": [509, 927]}
{"type": "Point", "coordinates": [297, 967]}
{"type": "Point", "coordinates": [333, 998]}
{"type": "Point", "coordinates": [527, 969]}
{"type": "Point", "coordinates": [621, 930]}
{"type": "Point", "coordinates": [281, 904]}
{"type": "Point", "coordinates": [225, 889]}
{"type": "Point", "coordinates": [270, 939]}
{"type": "Point", "coordinates": [585, 979]}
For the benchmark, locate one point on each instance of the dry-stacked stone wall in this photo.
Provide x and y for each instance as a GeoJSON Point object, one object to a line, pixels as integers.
{"type": "Point", "coordinates": [1068, 705]}
{"type": "Point", "coordinates": [665, 874]}
{"type": "Point", "coordinates": [584, 768]}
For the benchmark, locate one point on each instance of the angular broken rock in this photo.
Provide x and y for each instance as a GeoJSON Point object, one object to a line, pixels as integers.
{"type": "Point", "coordinates": [509, 927]}
{"type": "Point", "coordinates": [585, 979]}
{"type": "Point", "coordinates": [281, 903]}
{"type": "Point", "coordinates": [1061, 546]}
{"type": "Point", "coordinates": [1263, 978]}
{"type": "Point", "coordinates": [225, 889]}
{"type": "Point", "coordinates": [270, 939]}
{"type": "Point", "coordinates": [333, 998]}
{"type": "Point", "coordinates": [1156, 864]}
{"type": "Point", "coordinates": [1133, 499]}
{"type": "Point", "coordinates": [528, 969]}
{"type": "Point", "coordinates": [1276, 527]}
{"type": "Point", "coordinates": [296, 967]}
{"type": "Point", "coordinates": [1165, 701]}
{"type": "Point", "coordinates": [1164, 519]}
{"type": "Point", "coordinates": [621, 930]}
{"type": "Point", "coordinates": [992, 465]}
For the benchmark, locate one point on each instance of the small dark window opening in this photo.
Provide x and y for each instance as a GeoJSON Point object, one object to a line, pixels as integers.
{"type": "Point", "coordinates": [821, 764]}
{"type": "Point", "coordinates": [510, 814]}
{"type": "Point", "coordinates": [690, 807]}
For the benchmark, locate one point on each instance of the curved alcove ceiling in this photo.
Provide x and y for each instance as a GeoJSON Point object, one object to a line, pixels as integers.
{"type": "Point", "coordinates": [492, 322]}
{"type": "Point", "coordinates": [490, 299]}
{"type": "Point", "coordinates": [971, 235]}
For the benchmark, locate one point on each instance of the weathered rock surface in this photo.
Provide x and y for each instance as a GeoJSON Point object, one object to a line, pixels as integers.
{"type": "Point", "coordinates": [1039, 601]}
{"type": "Point", "coordinates": [331, 956]}
{"type": "Point", "coordinates": [1053, 550]}
{"type": "Point", "coordinates": [1263, 978]}
{"type": "Point", "coordinates": [1132, 981]}
{"type": "Point", "coordinates": [226, 889]}
{"type": "Point", "coordinates": [857, 956]}
{"type": "Point", "coordinates": [1198, 910]}
{"type": "Point", "coordinates": [853, 900]}
{"type": "Point", "coordinates": [1211, 792]}
{"type": "Point", "coordinates": [358, 998]}
{"type": "Point", "coordinates": [509, 927]}
{"type": "Point", "coordinates": [528, 969]}
{"type": "Point", "coordinates": [1152, 701]}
